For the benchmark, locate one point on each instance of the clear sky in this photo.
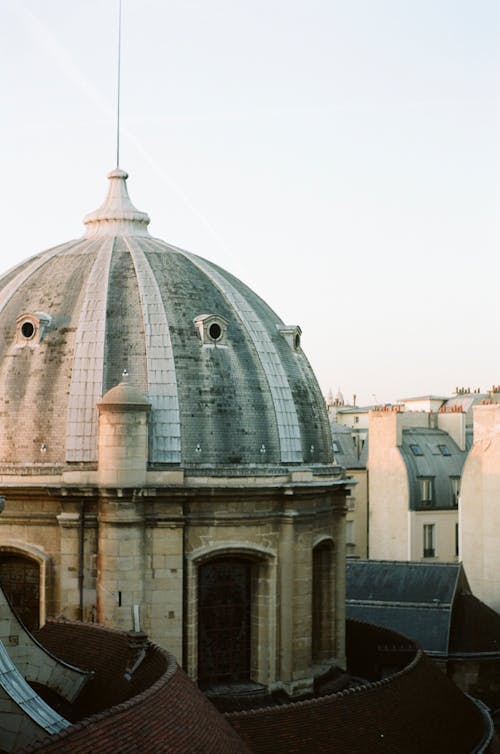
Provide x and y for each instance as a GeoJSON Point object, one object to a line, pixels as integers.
{"type": "Point", "coordinates": [342, 157]}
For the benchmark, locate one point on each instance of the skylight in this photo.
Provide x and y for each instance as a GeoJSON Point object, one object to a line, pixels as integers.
{"type": "Point", "coordinates": [416, 449]}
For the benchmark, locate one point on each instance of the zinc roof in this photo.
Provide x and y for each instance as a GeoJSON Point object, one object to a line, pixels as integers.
{"type": "Point", "coordinates": [432, 454]}
{"type": "Point", "coordinates": [415, 599]}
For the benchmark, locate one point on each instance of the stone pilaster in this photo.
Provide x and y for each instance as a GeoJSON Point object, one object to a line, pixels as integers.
{"type": "Point", "coordinates": [120, 561]}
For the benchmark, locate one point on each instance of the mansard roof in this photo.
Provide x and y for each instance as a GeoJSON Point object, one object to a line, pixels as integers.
{"type": "Point", "coordinates": [433, 454]}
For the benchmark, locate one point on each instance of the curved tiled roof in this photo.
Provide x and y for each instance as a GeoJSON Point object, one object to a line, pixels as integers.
{"type": "Point", "coordinates": [160, 710]}
{"type": "Point", "coordinates": [413, 711]}
{"type": "Point", "coordinates": [119, 299]}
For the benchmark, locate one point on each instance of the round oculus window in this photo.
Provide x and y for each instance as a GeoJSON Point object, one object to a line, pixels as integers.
{"type": "Point", "coordinates": [215, 331]}
{"type": "Point", "coordinates": [27, 330]}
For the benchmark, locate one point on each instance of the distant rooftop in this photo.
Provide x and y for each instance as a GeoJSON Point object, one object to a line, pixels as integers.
{"type": "Point", "coordinates": [424, 398]}
{"type": "Point", "coordinates": [354, 409]}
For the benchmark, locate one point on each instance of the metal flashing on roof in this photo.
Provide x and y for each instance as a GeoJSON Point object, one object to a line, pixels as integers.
{"type": "Point", "coordinates": [20, 692]}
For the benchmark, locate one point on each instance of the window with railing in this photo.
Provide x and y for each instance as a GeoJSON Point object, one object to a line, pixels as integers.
{"type": "Point", "coordinates": [426, 491]}
{"type": "Point", "coordinates": [429, 540]}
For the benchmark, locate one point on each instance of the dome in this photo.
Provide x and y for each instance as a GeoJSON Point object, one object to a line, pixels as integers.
{"type": "Point", "coordinates": [227, 382]}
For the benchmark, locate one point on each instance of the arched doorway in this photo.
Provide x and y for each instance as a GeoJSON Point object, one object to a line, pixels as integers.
{"type": "Point", "coordinates": [224, 615]}
{"type": "Point", "coordinates": [20, 581]}
{"type": "Point", "coordinates": [323, 584]}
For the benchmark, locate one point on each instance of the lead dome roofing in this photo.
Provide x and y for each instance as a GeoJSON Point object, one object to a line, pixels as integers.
{"type": "Point", "coordinates": [119, 299]}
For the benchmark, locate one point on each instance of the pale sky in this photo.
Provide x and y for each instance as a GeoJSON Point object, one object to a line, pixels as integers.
{"type": "Point", "coordinates": [341, 158]}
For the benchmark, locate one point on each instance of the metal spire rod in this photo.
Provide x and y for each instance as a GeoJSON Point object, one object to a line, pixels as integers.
{"type": "Point", "coordinates": [118, 84]}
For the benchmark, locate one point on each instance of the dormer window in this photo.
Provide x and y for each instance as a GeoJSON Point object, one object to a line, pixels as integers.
{"type": "Point", "coordinates": [292, 334]}
{"type": "Point", "coordinates": [32, 327]}
{"type": "Point", "coordinates": [212, 329]}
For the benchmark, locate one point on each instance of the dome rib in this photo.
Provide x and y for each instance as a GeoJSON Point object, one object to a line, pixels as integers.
{"type": "Point", "coordinates": [284, 407]}
{"type": "Point", "coordinates": [87, 371]}
{"type": "Point", "coordinates": [161, 374]}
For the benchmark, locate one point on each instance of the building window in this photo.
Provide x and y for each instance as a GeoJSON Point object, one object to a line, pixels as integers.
{"type": "Point", "coordinates": [455, 490]}
{"type": "Point", "coordinates": [416, 449]}
{"type": "Point", "coordinates": [444, 450]}
{"type": "Point", "coordinates": [429, 541]}
{"type": "Point", "coordinates": [425, 491]}
{"type": "Point", "coordinates": [457, 545]}
{"type": "Point", "coordinates": [337, 448]}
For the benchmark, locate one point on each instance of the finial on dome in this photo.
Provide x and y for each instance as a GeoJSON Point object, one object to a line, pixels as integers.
{"type": "Point", "coordinates": [117, 216]}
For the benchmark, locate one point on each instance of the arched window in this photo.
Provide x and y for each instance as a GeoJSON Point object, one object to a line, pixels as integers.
{"type": "Point", "coordinates": [224, 620]}
{"type": "Point", "coordinates": [20, 581]}
{"type": "Point", "coordinates": [323, 601]}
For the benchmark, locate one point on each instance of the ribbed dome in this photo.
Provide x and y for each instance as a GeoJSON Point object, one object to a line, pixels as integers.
{"type": "Point", "coordinates": [227, 382]}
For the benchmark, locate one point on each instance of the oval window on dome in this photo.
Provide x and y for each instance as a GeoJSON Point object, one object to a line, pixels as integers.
{"type": "Point", "coordinates": [215, 331]}
{"type": "Point", "coordinates": [27, 330]}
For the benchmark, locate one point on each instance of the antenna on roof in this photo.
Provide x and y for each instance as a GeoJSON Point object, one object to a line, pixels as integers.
{"type": "Point", "coordinates": [118, 83]}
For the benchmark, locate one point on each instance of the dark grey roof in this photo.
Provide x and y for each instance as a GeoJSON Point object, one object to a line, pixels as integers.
{"type": "Point", "coordinates": [344, 446]}
{"type": "Point", "coordinates": [431, 453]}
{"type": "Point", "coordinates": [415, 599]}
{"type": "Point", "coordinates": [344, 450]}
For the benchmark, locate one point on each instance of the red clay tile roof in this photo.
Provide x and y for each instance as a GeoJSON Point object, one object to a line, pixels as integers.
{"type": "Point", "coordinates": [415, 711]}
{"type": "Point", "coordinates": [167, 713]}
